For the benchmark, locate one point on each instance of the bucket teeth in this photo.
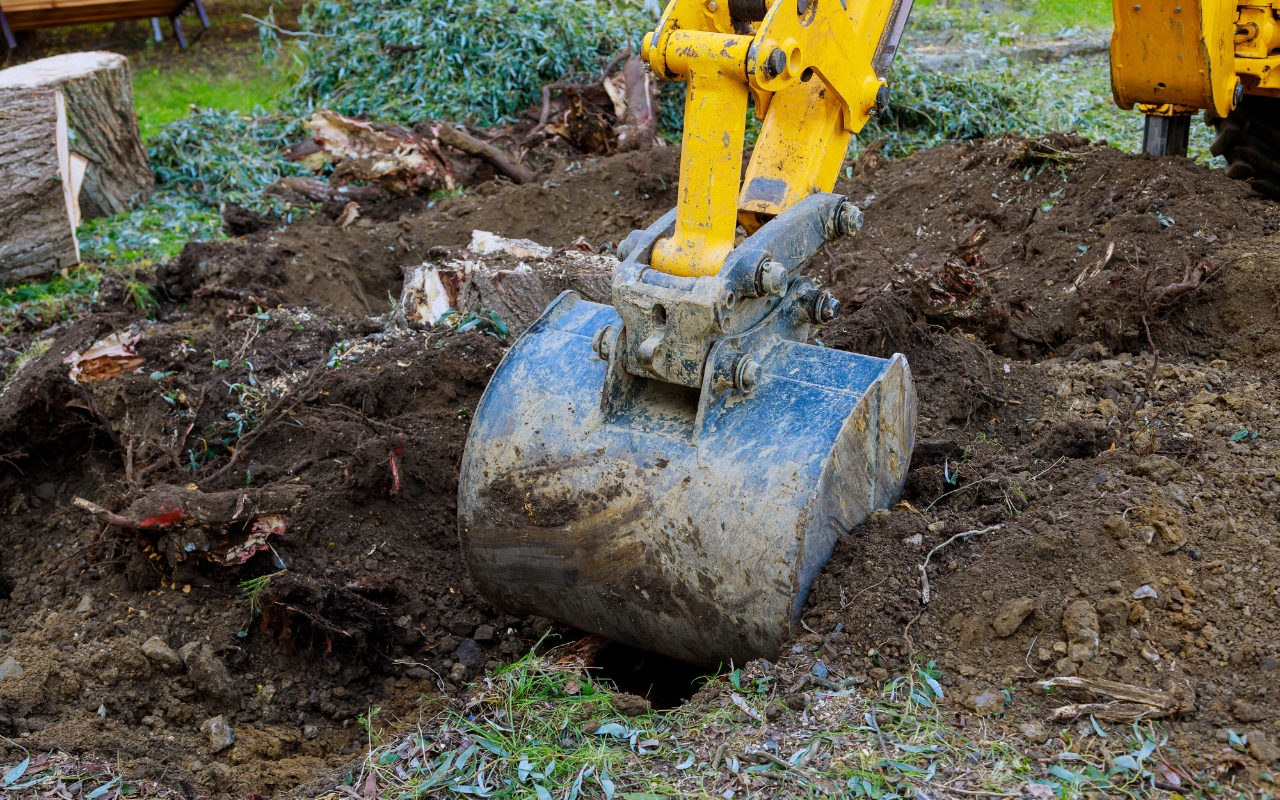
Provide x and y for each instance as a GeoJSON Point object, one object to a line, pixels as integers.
{"type": "Point", "coordinates": [689, 523]}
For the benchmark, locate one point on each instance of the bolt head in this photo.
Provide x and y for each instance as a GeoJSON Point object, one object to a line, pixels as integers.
{"type": "Point", "coordinates": [713, 6]}
{"type": "Point", "coordinates": [848, 219]}
{"type": "Point", "coordinates": [826, 308]}
{"type": "Point", "coordinates": [772, 278]}
{"type": "Point", "coordinates": [747, 374]}
{"type": "Point", "coordinates": [776, 63]}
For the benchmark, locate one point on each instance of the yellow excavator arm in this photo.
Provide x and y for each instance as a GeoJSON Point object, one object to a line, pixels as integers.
{"type": "Point", "coordinates": [816, 70]}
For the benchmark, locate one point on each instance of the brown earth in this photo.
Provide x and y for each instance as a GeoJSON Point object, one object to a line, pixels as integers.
{"type": "Point", "coordinates": [1107, 468]}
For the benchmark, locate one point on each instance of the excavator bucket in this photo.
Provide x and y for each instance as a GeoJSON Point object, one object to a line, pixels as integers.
{"type": "Point", "coordinates": [686, 521]}
{"type": "Point", "coordinates": [672, 471]}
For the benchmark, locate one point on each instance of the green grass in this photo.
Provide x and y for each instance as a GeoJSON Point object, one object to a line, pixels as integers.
{"type": "Point", "coordinates": [164, 95]}
{"type": "Point", "coordinates": [538, 729]}
{"type": "Point", "coordinates": [1030, 16]}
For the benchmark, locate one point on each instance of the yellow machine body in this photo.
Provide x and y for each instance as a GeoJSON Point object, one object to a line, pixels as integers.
{"type": "Point", "coordinates": [1176, 57]}
{"type": "Point", "coordinates": [810, 67]}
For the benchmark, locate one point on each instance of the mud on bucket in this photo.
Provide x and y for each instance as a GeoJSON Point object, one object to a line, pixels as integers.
{"type": "Point", "coordinates": [684, 522]}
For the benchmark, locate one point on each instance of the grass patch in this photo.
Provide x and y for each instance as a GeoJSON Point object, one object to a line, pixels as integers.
{"type": "Point", "coordinates": [1042, 17]}
{"type": "Point", "coordinates": [164, 95]}
{"type": "Point", "coordinates": [150, 234]}
{"type": "Point", "coordinates": [541, 729]}
{"type": "Point", "coordinates": [39, 305]}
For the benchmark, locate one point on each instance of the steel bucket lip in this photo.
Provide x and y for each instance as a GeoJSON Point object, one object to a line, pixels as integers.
{"type": "Point", "coordinates": [692, 610]}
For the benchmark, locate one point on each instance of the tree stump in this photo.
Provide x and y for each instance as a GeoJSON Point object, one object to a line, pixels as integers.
{"type": "Point", "coordinates": [37, 205]}
{"type": "Point", "coordinates": [99, 103]}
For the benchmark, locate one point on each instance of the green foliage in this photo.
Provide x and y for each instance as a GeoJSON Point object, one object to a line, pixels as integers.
{"type": "Point", "coordinates": [223, 157]}
{"type": "Point", "coordinates": [480, 61]}
{"type": "Point", "coordinates": [150, 234]}
{"type": "Point", "coordinates": [253, 588]}
{"type": "Point", "coordinates": [927, 108]}
{"type": "Point", "coordinates": [41, 304]}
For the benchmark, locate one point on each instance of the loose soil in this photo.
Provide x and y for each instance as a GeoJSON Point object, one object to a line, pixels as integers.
{"type": "Point", "coordinates": [1093, 336]}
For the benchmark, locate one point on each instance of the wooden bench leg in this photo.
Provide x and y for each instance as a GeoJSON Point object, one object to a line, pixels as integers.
{"type": "Point", "coordinates": [155, 29]}
{"type": "Point", "coordinates": [8, 34]}
{"type": "Point", "coordinates": [177, 32]}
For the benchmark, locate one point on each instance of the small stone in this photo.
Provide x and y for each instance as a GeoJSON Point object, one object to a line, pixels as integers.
{"type": "Point", "coordinates": [161, 655]}
{"type": "Point", "coordinates": [1060, 648]}
{"type": "Point", "coordinates": [102, 710]}
{"type": "Point", "coordinates": [210, 677]}
{"type": "Point", "coordinates": [934, 527]}
{"type": "Point", "coordinates": [188, 650]}
{"type": "Point", "coordinates": [1034, 732]}
{"type": "Point", "coordinates": [1011, 615]}
{"type": "Point", "coordinates": [470, 655]}
{"type": "Point", "coordinates": [820, 670]}
{"type": "Point", "coordinates": [1270, 664]}
{"type": "Point", "coordinates": [988, 703]}
{"type": "Point", "coordinates": [1118, 527]}
{"type": "Point", "coordinates": [590, 726]}
{"type": "Point", "coordinates": [878, 674]}
{"type": "Point", "coordinates": [219, 733]}
{"type": "Point", "coordinates": [1245, 711]}
{"type": "Point", "coordinates": [484, 633]}
{"type": "Point", "coordinates": [914, 541]}
{"type": "Point", "coordinates": [86, 603]}
{"type": "Point", "coordinates": [1065, 668]}
{"type": "Point", "coordinates": [418, 674]}
{"type": "Point", "coordinates": [1113, 614]}
{"type": "Point", "coordinates": [1080, 622]}
{"type": "Point", "coordinates": [795, 701]}
{"type": "Point", "coordinates": [774, 711]}
{"type": "Point", "coordinates": [1158, 468]}
{"type": "Point", "coordinates": [10, 668]}
{"type": "Point", "coordinates": [1262, 749]}
{"type": "Point", "coordinates": [458, 673]}
{"type": "Point", "coordinates": [630, 705]}
{"type": "Point", "coordinates": [310, 731]}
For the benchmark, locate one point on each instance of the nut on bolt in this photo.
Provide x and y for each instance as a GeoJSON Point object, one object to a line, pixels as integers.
{"type": "Point", "coordinates": [848, 219]}
{"type": "Point", "coordinates": [603, 342]}
{"type": "Point", "coordinates": [825, 308]}
{"type": "Point", "coordinates": [771, 278]}
{"type": "Point", "coordinates": [746, 374]}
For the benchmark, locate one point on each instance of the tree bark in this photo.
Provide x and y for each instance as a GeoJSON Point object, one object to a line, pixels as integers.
{"type": "Point", "coordinates": [639, 125]}
{"type": "Point", "coordinates": [37, 226]}
{"type": "Point", "coordinates": [100, 114]}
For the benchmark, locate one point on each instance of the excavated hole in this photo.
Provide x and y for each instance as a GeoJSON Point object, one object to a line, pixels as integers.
{"type": "Point", "coordinates": [664, 681]}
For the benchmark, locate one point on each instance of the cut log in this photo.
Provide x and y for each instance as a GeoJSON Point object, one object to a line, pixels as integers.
{"type": "Point", "coordinates": [38, 212]}
{"type": "Point", "coordinates": [99, 103]}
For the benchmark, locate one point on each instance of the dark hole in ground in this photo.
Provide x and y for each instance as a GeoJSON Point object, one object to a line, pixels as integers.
{"type": "Point", "coordinates": [664, 681]}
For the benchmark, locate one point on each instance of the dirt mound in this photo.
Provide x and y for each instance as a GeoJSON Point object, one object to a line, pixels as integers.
{"type": "Point", "coordinates": [1040, 247]}
{"type": "Point", "coordinates": [1140, 486]}
{"type": "Point", "coordinates": [354, 271]}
